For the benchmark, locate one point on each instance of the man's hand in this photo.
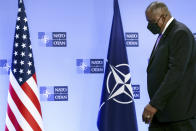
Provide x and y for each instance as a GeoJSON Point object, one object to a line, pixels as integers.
{"type": "Point", "coordinates": [148, 114]}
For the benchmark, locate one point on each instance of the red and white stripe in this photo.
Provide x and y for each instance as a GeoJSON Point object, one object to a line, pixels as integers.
{"type": "Point", "coordinates": [23, 109]}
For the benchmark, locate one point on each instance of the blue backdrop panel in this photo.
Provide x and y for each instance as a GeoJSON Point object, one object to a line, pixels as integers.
{"type": "Point", "coordinates": [87, 25]}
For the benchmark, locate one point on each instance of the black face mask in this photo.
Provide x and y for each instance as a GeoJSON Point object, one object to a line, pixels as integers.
{"type": "Point", "coordinates": [154, 28]}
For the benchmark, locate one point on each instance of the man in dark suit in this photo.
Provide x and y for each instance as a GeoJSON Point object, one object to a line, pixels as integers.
{"type": "Point", "coordinates": [171, 73]}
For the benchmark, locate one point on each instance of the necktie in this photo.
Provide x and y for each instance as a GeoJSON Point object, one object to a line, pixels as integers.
{"type": "Point", "coordinates": [157, 42]}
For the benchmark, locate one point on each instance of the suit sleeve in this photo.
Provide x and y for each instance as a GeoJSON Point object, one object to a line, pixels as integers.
{"type": "Point", "coordinates": [179, 56]}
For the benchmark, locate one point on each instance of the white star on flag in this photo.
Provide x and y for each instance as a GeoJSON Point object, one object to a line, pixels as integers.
{"type": "Point", "coordinates": [18, 18]}
{"type": "Point", "coordinates": [21, 71]}
{"type": "Point", "coordinates": [25, 19]}
{"type": "Point", "coordinates": [30, 63]}
{"type": "Point", "coordinates": [22, 54]}
{"type": "Point", "coordinates": [17, 36]}
{"type": "Point", "coordinates": [17, 27]}
{"type": "Point", "coordinates": [14, 70]}
{"type": "Point", "coordinates": [24, 28]}
{"type": "Point", "coordinates": [15, 53]}
{"type": "Point", "coordinates": [28, 72]}
{"type": "Point", "coordinates": [24, 37]}
{"type": "Point", "coordinates": [22, 62]}
{"type": "Point", "coordinates": [19, 9]}
{"type": "Point", "coordinates": [15, 61]}
{"type": "Point", "coordinates": [30, 55]}
{"type": "Point", "coordinates": [23, 45]}
{"type": "Point", "coordinates": [30, 47]}
{"type": "Point", "coordinates": [16, 44]}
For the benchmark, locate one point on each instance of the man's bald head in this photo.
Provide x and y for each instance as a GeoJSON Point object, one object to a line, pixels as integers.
{"type": "Point", "coordinates": [157, 15]}
{"type": "Point", "coordinates": [157, 9]}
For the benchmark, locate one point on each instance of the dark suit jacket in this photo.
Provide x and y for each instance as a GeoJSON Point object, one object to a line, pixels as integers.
{"type": "Point", "coordinates": [171, 75]}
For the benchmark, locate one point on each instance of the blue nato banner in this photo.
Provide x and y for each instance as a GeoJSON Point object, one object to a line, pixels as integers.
{"type": "Point", "coordinates": [117, 108]}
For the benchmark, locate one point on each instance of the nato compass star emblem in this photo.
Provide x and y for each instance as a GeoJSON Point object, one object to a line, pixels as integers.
{"type": "Point", "coordinates": [45, 39]}
{"type": "Point", "coordinates": [83, 66]}
{"type": "Point", "coordinates": [118, 85]}
{"type": "Point", "coordinates": [122, 85]}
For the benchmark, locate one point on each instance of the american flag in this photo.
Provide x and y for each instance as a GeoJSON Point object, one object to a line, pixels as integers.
{"type": "Point", "coordinates": [23, 109]}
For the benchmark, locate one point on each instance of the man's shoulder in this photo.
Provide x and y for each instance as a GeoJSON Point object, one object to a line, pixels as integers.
{"type": "Point", "coordinates": [181, 27]}
{"type": "Point", "coordinates": [177, 29]}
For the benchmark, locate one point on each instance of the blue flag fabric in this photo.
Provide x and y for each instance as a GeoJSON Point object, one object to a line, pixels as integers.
{"type": "Point", "coordinates": [117, 108]}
